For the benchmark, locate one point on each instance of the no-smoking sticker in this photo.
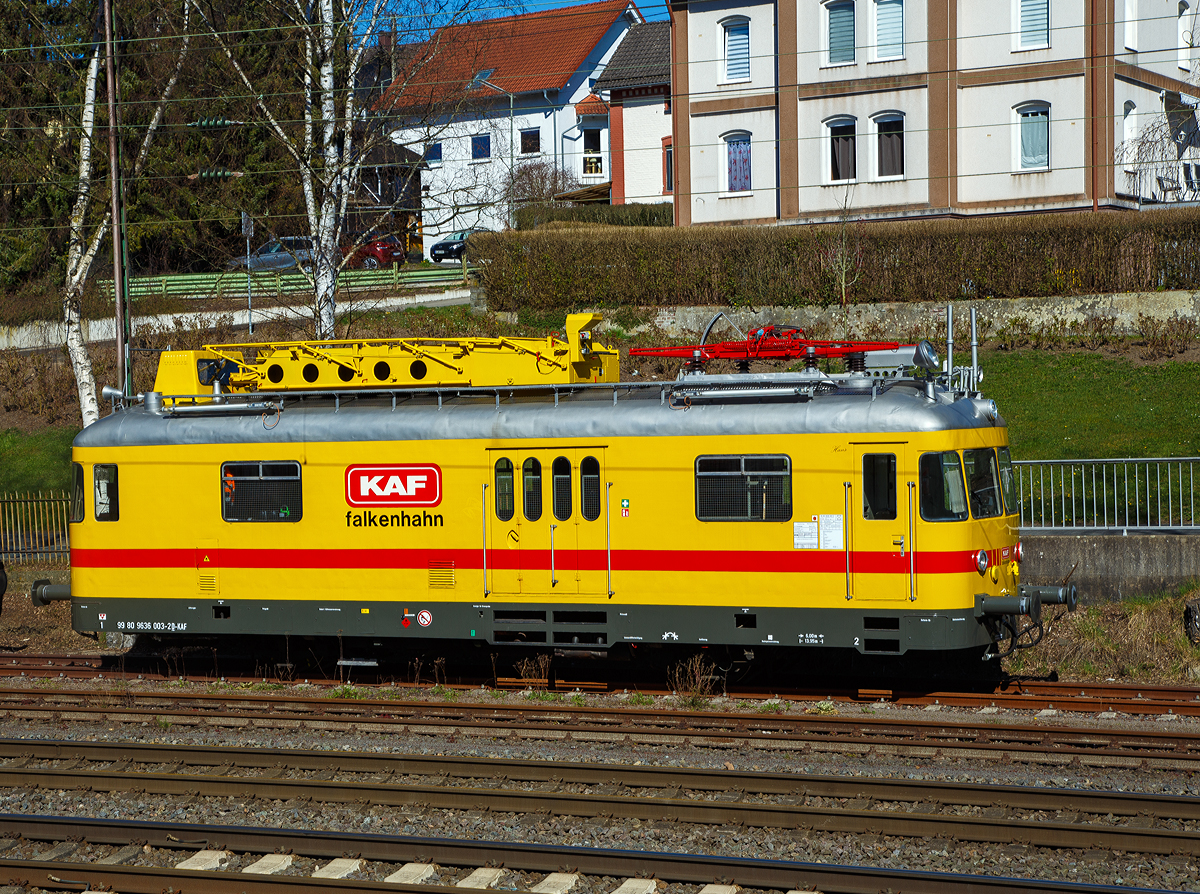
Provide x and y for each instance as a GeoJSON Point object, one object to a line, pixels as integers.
{"type": "Point", "coordinates": [424, 617]}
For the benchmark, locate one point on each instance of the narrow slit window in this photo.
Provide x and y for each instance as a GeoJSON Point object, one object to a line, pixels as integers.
{"type": "Point", "coordinates": [1035, 24]}
{"type": "Point", "coordinates": [879, 486]}
{"type": "Point", "coordinates": [504, 489]}
{"type": "Point", "coordinates": [561, 483]}
{"type": "Point", "coordinates": [589, 488]}
{"type": "Point", "coordinates": [743, 488]}
{"type": "Point", "coordinates": [531, 488]}
{"type": "Point", "coordinates": [108, 504]}
{"type": "Point", "coordinates": [1035, 138]}
{"type": "Point", "coordinates": [261, 492]}
{"type": "Point", "coordinates": [842, 154]}
{"type": "Point", "coordinates": [889, 29]}
{"type": "Point", "coordinates": [78, 494]}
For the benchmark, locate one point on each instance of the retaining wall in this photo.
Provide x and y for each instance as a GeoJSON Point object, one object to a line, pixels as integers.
{"type": "Point", "coordinates": [1112, 566]}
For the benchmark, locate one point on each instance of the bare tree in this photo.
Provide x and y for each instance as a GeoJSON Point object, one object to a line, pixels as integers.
{"type": "Point", "coordinates": [1161, 152]}
{"type": "Point", "coordinates": [537, 182]}
{"type": "Point", "coordinates": [842, 251]}
{"type": "Point", "coordinates": [331, 50]}
{"type": "Point", "coordinates": [82, 246]}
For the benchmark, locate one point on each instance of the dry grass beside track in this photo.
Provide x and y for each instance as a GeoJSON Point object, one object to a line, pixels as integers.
{"type": "Point", "coordinates": [1140, 640]}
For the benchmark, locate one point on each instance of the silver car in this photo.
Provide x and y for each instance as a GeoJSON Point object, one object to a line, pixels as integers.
{"type": "Point", "coordinates": [277, 254]}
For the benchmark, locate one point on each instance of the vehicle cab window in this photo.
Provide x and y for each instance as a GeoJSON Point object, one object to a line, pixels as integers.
{"type": "Point", "coordinates": [108, 504]}
{"type": "Point", "coordinates": [983, 483]}
{"type": "Point", "coordinates": [943, 497]}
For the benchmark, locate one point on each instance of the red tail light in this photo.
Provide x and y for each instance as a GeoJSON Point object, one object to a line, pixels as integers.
{"type": "Point", "coordinates": [1019, 552]}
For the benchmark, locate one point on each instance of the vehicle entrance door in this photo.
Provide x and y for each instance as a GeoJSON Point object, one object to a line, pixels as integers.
{"type": "Point", "coordinates": [547, 522]}
{"type": "Point", "coordinates": [879, 509]}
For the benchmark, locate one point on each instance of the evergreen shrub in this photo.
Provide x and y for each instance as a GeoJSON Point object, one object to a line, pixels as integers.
{"type": "Point", "coordinates": [1029, 256]}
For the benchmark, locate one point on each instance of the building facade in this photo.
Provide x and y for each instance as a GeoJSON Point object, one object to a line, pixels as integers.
{"type": "Point", "coordinates": [513, 115]}
{"type": "Point", "coordinates": [806, 111]}
{"type": "Point", "coordinates": [638, 84]}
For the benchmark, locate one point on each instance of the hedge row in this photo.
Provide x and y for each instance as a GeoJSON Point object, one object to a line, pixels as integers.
{"type": "Point", "coordinates": [633, 215]}
{"type": "Point", "coordinates": [1050, 254]}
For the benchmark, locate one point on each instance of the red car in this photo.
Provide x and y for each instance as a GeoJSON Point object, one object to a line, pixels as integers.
{"type": "Point", "coordinates": [382, 252]}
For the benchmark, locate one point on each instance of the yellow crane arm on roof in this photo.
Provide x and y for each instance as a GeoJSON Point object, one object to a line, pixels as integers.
{"type": "Point", "coordinates": [392, 363]}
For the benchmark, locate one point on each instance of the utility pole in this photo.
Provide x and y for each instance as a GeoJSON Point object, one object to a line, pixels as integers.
{"type": "Point", "coordinates": [120, 292]}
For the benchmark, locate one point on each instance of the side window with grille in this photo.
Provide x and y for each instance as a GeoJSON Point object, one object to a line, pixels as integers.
{"type": "Point", "coordinates": [743, 488]}
{"type": "Point", "coordinates": [504, 489]}
{"type": "Point", "coordinates": [261, 492]}
{"type": "Point", "coordinates": [589, 488]}
{"type": "Point", "coordinates": [531, 488]}
{"type": "Point", "coordinates": [108, 504]}
{"type": "Point", "coordinates": [560, 473]}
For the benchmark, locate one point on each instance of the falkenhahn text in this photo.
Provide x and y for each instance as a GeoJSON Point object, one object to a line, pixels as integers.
{"type": "Point", "coordinates": [393, 520]}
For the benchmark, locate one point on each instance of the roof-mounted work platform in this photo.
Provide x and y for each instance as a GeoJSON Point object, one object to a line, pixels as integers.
{"type": "Point", "coordinates": [389, 364]}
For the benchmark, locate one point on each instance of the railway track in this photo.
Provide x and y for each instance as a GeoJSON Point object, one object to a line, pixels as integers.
{"type": "Point", "coordinates": [1012, 694]}
{"type": "Point", "coordinates": [986, 740]}
{"type": "Point", "coordinates": [1059, 818]}
{"type": "Point", "coordinates": [147, 857]}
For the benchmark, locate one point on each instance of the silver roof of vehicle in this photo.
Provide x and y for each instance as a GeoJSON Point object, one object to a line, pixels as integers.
{"type": "Point", "coordinates": [583, 415]}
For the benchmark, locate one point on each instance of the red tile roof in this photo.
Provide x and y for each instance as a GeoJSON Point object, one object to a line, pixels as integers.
{"type": "Point", "coordinates": [525, 54]}
{"type": "Point", "coordinates": [593, 105]}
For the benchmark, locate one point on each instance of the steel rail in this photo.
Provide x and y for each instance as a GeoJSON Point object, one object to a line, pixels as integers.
{"type": "Point", "coordinates": [670, 867]}
{"type": "Point", "coordinates": [1146, 838]}
{"type": "Point", "coordinates": [626, 776]}
{"type": "Point", "coordinates": [1061, 743]}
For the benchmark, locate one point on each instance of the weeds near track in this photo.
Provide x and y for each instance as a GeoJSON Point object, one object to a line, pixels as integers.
{"type": "Point", "coordinates": [693, 681]}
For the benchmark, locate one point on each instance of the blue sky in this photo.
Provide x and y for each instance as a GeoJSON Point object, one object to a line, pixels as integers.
{"type": "Point", "coordinates": [653, 10]}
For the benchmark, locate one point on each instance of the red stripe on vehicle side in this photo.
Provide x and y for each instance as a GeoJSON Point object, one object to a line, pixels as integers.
{"type": "Point", "coordinates": [823, 561]}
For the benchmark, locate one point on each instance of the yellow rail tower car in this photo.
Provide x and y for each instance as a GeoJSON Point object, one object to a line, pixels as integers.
{"type": "Point", "coordinates": [512, 492]}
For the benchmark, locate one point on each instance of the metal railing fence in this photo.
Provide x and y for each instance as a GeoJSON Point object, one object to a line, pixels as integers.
{"type": "Point", "coordinates": [278, 284]}
{"type": "Point", "coordinates": [1108, 494]}
{"type": "Point", "coordinates": [33, 528]}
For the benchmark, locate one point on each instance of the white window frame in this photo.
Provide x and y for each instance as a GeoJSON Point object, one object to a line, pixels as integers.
{"type": "Point", "coordinates": [827, 151]}
{"type": "Point", "coordinates": [1029, 106]}
{"type": "Point", "coordinates": [1187, 17]}
{"type": "Point", "coordinates": [1017, 46]}
{"type": "Point", "coordinates": [826, 62]}
{"type": "Point", "coordinates": [1129, 135]}
{"type": "Point", "coordinates": [874, 13]}
{"type": "Point", "coordinates": [877, 119]}
{"type": "Point", "coordinates": [723, 50]}
{"type": "Point", "coordinates": [1131, 25]}
{"type": "Point", "coordinates": [737, 135]}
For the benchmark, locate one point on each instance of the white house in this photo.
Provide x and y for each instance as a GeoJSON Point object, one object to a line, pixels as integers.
{"type": "Point", "coordinates": [504, 108]}
{"type": "Point", "coordinates": [638, 84]}
{"type": "Point", "coordinates": [797, 112]}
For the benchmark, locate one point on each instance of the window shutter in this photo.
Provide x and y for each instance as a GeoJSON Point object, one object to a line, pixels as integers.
{"type": "Point", "coordinates": [1035, 23]}
{"type": "Point", "coordinates": [841, 32]}
{"type": "Point", "coordinates": [889, 28]}
{"type": "Point", "coordinates": [737, 51]}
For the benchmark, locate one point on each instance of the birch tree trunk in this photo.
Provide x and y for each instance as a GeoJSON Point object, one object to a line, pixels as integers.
{"type": "Point", "coordinates": [83, 249]}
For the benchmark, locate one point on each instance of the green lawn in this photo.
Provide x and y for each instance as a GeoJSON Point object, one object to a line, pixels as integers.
{"type": "Point", "coordinates": [1079, 406]}
{"type": "Point", "coordinates": [39, 461]}
{"type": "Point", "coordinates": [1057, 405]}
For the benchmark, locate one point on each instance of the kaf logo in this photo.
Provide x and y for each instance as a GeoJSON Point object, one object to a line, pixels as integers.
{"type": "Point", "coordinates": [407, 485]}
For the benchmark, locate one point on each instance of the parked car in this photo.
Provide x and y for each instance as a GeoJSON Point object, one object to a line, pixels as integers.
{"type": "Point", "coordinates": [451, 248]}
{"type": "Point", "coordinates": [277, 254]}
{"type": "Point", "coordinates": [385, 251]}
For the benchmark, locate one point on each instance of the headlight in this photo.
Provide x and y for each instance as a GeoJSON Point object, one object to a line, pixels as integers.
{"type": "Point", "coordinates": [981, 561]}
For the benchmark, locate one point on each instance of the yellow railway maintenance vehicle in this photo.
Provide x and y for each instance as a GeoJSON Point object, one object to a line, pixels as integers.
{"type": "Point", "coordinates": [512, 492]}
